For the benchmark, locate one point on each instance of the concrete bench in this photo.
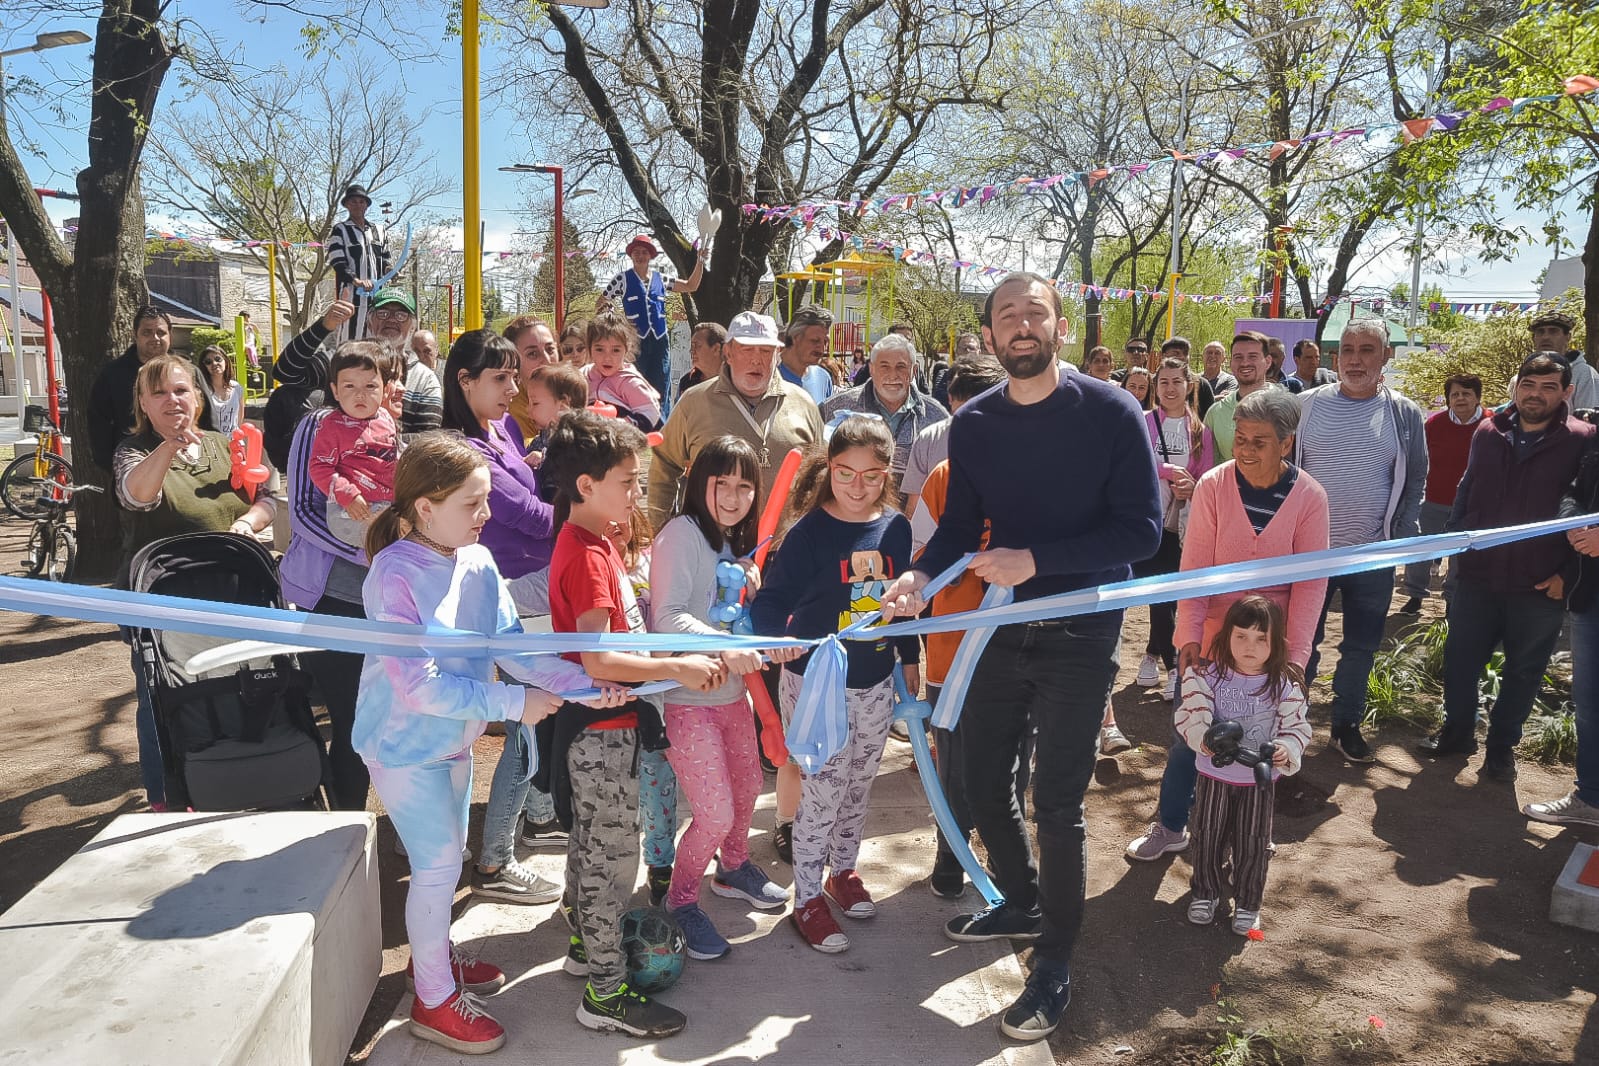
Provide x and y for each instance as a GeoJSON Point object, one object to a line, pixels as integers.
{"type": "Point", "coordinates": [224, 939]}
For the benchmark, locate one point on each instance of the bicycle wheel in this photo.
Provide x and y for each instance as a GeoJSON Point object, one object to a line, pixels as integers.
{"type": "Point", "coordinates": [38, 549]}
{"type": "Point", "coordinates": [64, 556]}
{"type": "Point", "coordinates": [21, 488]}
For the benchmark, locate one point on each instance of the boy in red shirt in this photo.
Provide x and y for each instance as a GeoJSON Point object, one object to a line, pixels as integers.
{"type": "Point", "coordinates": [592, 761]}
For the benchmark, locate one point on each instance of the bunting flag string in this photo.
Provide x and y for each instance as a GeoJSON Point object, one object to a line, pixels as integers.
{"type": "Point", "coordinates": [1409, 131]}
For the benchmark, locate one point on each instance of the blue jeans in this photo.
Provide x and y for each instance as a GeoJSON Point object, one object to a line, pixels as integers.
{"type": "Point", "coordinates": [1366, 599]}
{"type": "Point", "coordinates": [655, 363]}
{"type": "Point", "coordinates": [1418, 576]}
{"type": "Point", "coordinates": [1585, 694]}
{"type": "Point", "coordinates": [151, 773]}
{"type": "Point", "coordinates": [1055, 677]}
{"type": "Point", "coordinates": [1527, 625]}
{"type": "Point", "coordinates": [508, 793]}
{"type": "Point", "coordinates": [1177, 785]}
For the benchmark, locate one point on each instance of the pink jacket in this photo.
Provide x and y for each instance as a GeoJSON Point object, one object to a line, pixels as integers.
{"type": "Point", "coordinates": [1219, 532]}
{"type": "Point", "coordinates": [1198, 461]}
{"type": "Point", "coordinates": [353, 457]}
{"type": "Point", "coordinates": [625, 388]}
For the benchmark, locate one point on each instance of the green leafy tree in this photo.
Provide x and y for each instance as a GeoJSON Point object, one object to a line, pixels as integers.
{"type": "Point", "coordinates": [1492, 348]}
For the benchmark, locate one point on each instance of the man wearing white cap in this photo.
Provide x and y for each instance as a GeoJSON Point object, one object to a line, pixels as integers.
{"type": "Point", "coordinates": [642, 291]}
{"type": "Point", "coordinates": [748, 400]}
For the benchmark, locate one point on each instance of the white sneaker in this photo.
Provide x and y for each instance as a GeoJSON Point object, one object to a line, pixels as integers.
{"type": "Point", "coordinates": [1112, 740]}
{"type": "Point", "coordinates": [1567, 810]}
{"type": "Point", "coordinates": [1157, 841]}
{"type": "Point", "coordinates": [1245, 922]}
{"type": "Point", "coordinates": [1149, 672]}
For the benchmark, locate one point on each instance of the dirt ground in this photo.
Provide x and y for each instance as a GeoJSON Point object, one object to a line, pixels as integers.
{"type": "Point", "coordinates": [1405, 918]}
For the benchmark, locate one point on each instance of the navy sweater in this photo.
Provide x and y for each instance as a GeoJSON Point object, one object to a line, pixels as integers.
{"type": "Point", "coordinates": [830, 573]}
{"type": "Point", "coordinates": [1072, 478]}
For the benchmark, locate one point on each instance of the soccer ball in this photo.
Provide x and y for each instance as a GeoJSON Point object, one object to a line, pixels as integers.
{"type": "Point", "coordinates": [654, 949]}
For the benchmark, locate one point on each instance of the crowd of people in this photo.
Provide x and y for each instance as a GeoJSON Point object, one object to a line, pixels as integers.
{"type": "Point", "coordinates": [513, 478]}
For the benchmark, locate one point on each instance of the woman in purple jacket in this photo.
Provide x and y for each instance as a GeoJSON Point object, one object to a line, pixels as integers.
{"type": "Point", "coordinates": [479, 379]}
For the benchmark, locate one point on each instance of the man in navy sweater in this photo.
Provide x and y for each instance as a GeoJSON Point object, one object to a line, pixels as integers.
{"type": "Point", "coordinates": [1081, 524]}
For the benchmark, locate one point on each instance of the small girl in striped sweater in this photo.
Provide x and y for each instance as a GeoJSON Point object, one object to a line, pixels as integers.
{"type": "Point", "coordinates": [1247, 680]}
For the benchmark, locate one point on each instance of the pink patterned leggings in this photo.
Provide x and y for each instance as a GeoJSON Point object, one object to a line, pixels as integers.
{"type": "Point", "coordinates": [714, 756]}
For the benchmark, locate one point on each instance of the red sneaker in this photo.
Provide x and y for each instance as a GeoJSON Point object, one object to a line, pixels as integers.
{"type": "Point", "coordinates": [459, 1023]}
{"type": "Point", "coordinates": [845, 889]}
{"type": "Point", "coordinates": [818, 926]}
{"type": "Point", "coordinates": [471, 973]}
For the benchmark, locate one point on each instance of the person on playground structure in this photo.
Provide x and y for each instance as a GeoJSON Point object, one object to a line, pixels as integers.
{"type": "Point", "coordinates": [642, 292]}
{"type": "Point", "coordinates": [357, 252]}
{"type": "Point", "coordinates": [588, 759]}
{"type": "Point", "coordinates": [416, 719]}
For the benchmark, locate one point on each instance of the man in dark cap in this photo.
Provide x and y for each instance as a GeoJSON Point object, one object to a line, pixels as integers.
{"type": "Point", "coordinates": [359, 256]}
{"type": "Point", "coordinates": [1551, 332]}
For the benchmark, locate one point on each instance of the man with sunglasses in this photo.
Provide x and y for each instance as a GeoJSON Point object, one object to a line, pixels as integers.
{"type": "Point", "coordinates": [1052, 529]}
{"type": "Point", "coordinates": [1136, 353]}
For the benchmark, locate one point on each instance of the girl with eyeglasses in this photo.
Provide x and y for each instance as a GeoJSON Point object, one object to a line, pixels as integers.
{"type": "Point", "coordinates": [222, 394]}
{"type": "Point", "coordinates": [575, 344]}
{"type": "Point", "coordinates": [700, 565]}
{"type": "Point", "coordinates": [834, 564]}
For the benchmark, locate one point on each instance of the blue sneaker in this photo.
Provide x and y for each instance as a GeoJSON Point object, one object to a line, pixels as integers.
{"type": "Point", "coordinates": [749, 883]}
{"type": "Point", "coordinates": [699, 935]}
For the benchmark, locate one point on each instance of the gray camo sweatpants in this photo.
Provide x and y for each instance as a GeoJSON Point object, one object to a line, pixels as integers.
{"type": "Point", "coordinates": [602, 853]}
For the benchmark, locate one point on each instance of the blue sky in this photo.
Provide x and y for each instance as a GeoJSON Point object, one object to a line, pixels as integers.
{"type": "Point", "coordinates": [271, 37]}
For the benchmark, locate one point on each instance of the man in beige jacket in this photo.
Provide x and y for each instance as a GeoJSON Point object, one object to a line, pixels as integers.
{"type": "Point", "coordinates": [749, 400]}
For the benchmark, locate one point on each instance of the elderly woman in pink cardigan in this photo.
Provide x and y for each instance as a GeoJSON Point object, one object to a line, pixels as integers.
{"type": "Point", "coordinates": [1256, 506]}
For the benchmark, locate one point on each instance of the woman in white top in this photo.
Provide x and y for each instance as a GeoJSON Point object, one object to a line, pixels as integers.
{"type": "Point", "coordinates": [223, 395]}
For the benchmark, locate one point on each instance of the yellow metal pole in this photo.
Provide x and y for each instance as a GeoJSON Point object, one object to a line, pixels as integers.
{"type": "Point", "coordinates": [272, 295]}
{"type": "Point", "coordinates": [472, 295]}
{"type": "Point", "coordinates": [1171, 306]}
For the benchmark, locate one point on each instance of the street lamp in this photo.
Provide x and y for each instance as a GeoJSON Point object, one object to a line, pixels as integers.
{"type": "Point", "coordinates": [1307, 23]}
{"type": "Point", "coordinates": [43, 41]}
{"type": "Point", "coordinates": [471, 207]}
{"type": "Point", "coordinates": [559, 174]}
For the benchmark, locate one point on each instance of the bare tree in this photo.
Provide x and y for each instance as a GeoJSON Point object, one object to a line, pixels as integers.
{"type": "Point", "coordinates": [754, 102]}
{"type": "Point", "coordinates": [270, 161]}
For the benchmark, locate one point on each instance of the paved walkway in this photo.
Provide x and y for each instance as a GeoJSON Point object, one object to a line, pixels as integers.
{"type": "Point", "coordinates": [901, 993]}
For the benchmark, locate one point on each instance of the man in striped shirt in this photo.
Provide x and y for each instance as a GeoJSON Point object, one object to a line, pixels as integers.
{"type": "Point", "coordinates": [358, 254]}
{"type": "Point", "coordinates": [1366, 445]}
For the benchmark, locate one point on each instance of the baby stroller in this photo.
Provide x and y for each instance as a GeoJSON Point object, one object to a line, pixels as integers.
{"type": "Point", "coordinates": [237, 732]}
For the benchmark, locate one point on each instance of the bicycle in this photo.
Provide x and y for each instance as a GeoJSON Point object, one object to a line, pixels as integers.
{"type": "Point", "coordinates": [52, 547]}
{"type": "Point", "coordinates": [26, 486]}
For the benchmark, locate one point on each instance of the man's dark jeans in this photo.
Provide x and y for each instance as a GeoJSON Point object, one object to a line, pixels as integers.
{"type": "Point", "coordinates": [1055, 676]}
{"type": "Point", "coordinates": [1366, 599]}
{"type": "Point", "coordinates": [952, 778]}
{"type": "Point", "coordinates": [1527, 625]}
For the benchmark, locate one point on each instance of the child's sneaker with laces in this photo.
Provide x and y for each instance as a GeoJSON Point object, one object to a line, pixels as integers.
{"type": "Point", "coordinates": [544, 835]}
{"type": "Point", "coordinates": [514, 883]}
{"type": "Point", "coordinates": [577, 957]}
{"type": "Point", "coordinates": [749, 882]}
{"type": "Point", "coordinates": [627, 1011]}
{"type": "Point", "coordinates": [700, 938]}
{"type": "Point", "coordinates": [845, 889]}
{"type": "Point", "coordinates": [471, 973]}
{"type": "Point", "coordinates": [783, 841]}
{"type": "Point", "coordinates": [459, 1023]}
{"type": "Point", "coordinates": [818, 926]}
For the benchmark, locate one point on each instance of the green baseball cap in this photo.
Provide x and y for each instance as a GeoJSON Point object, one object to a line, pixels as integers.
{"type": "Point", "coordinates": [392, 295]}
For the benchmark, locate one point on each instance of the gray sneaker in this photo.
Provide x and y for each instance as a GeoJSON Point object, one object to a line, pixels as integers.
{"type": "Point", "coordinates": [515, 883]}
{"type": "Point", "coordinates": [1157, 841]}
{"type": "Point", "coordinates": [1567, 810]}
